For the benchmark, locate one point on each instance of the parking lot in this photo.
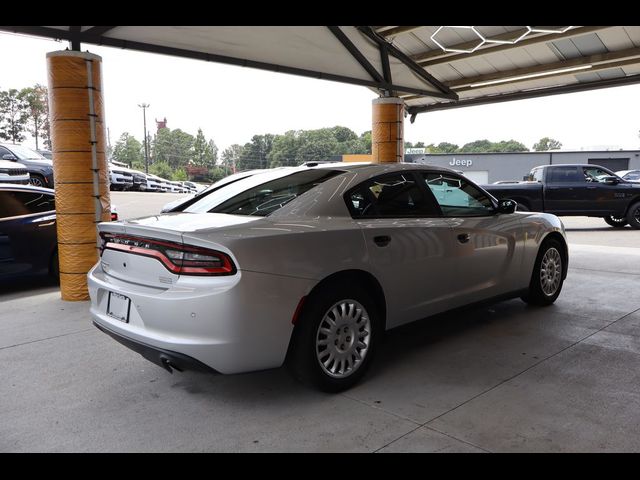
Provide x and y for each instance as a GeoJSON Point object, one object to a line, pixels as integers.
{"type": "Point", "coordinates": [500, 378]}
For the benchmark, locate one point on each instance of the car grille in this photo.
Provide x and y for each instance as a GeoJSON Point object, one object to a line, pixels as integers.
{"type": "Point", "coordinates": [14, 171]}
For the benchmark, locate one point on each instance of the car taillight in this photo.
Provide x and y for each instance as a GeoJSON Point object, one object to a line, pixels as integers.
{"type": "Point", "coordinates": [176, 257]}
{"type": "Point", "coordinates": [114, 217]}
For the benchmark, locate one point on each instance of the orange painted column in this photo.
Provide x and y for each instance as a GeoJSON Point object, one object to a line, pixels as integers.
{"type": "Point", "coordinates": [387, 132]}
{"type": "Point", "coordinates": [80, 170]}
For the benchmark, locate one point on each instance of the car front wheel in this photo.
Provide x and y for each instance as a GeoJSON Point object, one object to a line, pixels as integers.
{"type": "Point", "coordinates": [547, 278]}
{"type": "Point", "coordinates": [616, 222]}
{"type": "Point", "coordinates": [37, 180]}
{"type": "Point", "coordinates": [335, 338]}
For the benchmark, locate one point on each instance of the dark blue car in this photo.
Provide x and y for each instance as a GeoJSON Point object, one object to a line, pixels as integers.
{"type": "Point", "coordinates": [27, 231]}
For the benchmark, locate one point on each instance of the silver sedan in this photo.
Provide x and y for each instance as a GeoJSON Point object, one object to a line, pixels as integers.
{"type": "Point", "coordinates": [308, 266]}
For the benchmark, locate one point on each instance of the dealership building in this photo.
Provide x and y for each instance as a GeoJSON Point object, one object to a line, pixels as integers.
{"type": "Point", "coordinates": [492, 167]}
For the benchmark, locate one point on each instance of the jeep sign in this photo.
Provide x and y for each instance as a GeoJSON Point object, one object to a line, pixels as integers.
{"type": "Point", "coordinates": [460, 163]}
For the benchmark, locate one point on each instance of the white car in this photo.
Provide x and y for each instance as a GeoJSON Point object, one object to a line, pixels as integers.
{"type": "Point", "coordinates": [121, 178]}
{"type": "Point", "coordinates": [629, 175]}
{"type": "Point", "coordinates": [308, 266]}
{"type": "Point", "coordinates": [13, 172]}
{"type": "Point", "coordinates": [154, 184]}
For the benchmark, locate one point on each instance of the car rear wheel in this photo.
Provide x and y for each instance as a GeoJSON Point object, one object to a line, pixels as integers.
{"type": "Point", "coordinates": [633, 216]}
{"type": "Point", "coordinates": [616, 222]}
{"type": "Point", "coordinates": [335, 338]}
{"type": "Point", "coordinates": [547, 277]}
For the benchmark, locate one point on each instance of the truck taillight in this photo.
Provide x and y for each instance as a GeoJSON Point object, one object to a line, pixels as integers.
{"type": "Point", "coordinates": [176, 257]}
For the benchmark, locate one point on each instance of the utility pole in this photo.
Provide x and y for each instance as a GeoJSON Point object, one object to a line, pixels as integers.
{"type": "Point", "coordinates": [144, 107]}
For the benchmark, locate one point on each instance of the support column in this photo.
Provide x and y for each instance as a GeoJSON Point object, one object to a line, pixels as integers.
{"type": "Point", "coordinates": [387, 132]}
{"type": "Point", "coordinates": [80, 170]}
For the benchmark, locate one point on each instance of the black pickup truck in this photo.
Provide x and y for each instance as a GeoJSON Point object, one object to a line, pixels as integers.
{"type": "Point", "coordinates": [581, 190]}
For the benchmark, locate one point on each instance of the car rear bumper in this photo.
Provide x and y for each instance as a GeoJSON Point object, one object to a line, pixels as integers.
{"type": "Point", "coordinates": [221, 322]}
{"type": "Point", "coordinates": [161, 357]}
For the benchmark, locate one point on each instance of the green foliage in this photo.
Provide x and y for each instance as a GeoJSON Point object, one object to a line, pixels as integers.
{"type": "Point", "coordinates": [161, 169]}
{"type": "Point", "coordinates": [545, 144]}
{"type": "Point", "coordinates": [443, 147]}
{"type": "Point", "coordinates": [218, 173]}
{"type": "Point", "coordinates": [37, 101]}
{"type": "Point", "coordinates": [485, 146]}
{"type": "Point", "coordinates": [231, 156]}
{"type": "Point", "coordinates": [255, 154]}
{"type": "Point", "coordinates": [180, 175]}
{"type": "Point", "coordinates": [129, 150]}
{"type": "Point", "coordinates": [173, 147]}
{"type": "Point", "coordinates": [14, 115]}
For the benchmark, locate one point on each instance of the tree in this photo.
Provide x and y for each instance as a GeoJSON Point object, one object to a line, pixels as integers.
{"type": "Point", "coordinates": [129, 150]}
{"type": "Point", "coordinates": [477, 146]}
{"type": "Point", "coordinates": [14, 113]}
{"type": "Point", "coordinates": [211, 154]}
{"type": "Point", "coordinates": [199, 149]}
{"type": "Point", "coordinates": [443, 147]}
{"type": "Point", "coordinates": [255, 154]}
{"type": "Point", "coordinates": [161, 169]}
{"type": "Point", "coordinates": [38, 113]}
{"type": "Point", "coordinates": [545, 144]}
{"type": "Point", "coordinates": [173, 147]}
{"type": "Point", "coordinates": [509, 146]}
{"type": "Point", "coordinates": [231, 156]}
{"type": "Point", "coordinates": [180, 175]}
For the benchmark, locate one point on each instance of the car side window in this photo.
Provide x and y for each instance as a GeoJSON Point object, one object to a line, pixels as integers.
{"type": "Point", "coordinates": [594, 174]}
{"type": "Point", "coordinates": [457, 197]}
{"type": "Point", "coordinates": [536, 174]}
{"type": "Point", "coordinates": [3, 152]}
{"type": "Point", "coordinates": [13, 204]}
{"type": "Point", "coordinates": [560, 175]}
{"type": "Point", "coordinates": [396, 195]}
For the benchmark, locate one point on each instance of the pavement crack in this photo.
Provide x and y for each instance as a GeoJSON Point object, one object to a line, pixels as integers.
{"type": "Point", "coordinates": [44, 339]}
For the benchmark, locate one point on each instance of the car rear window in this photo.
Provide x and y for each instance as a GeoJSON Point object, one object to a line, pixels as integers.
{"type": "Point", "coordinates": [247, 198]}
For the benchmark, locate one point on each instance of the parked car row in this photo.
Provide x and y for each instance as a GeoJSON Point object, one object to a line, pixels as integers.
{"type": "Point", "coordinates": [18, 158]}
{"type": "Point", "coordinates": [124, 178]}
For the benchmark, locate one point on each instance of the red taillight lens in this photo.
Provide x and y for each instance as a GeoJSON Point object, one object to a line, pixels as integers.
{"type": "Point", "coordinates": [176, 257]}
{"type": "Point", "coordinates": [114, 217]}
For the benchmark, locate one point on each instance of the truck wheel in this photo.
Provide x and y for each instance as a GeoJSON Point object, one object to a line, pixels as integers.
{"type": "Point", "coordinates": [546, 280]}
{"type": "Point", "coordinates": [616, 222]}
{"type": "Point", "coordinates": [633, 216]}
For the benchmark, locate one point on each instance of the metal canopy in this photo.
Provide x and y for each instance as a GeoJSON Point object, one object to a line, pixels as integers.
{"type": "Point", "coordinates": [430, 67]}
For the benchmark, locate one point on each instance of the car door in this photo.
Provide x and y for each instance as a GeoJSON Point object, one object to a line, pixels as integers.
{"type": "Point", "coordinates": [27, 232]}
{"type": "Point", "coordinates": [600, 198]}
{"type": "Point", "coordinates": [486, 245]}
{"type": "Point", "coordinates": [563, 189]}
{"type": "Point", "coordinates": [408, 245]}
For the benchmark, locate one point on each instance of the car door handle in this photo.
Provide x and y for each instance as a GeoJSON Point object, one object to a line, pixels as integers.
{"type": "Point", "coordinates": [382, 240]}
{"type": "Point", "coordinates": [464, 237]}
{"type": "Point", "coordinates": [591, 188]}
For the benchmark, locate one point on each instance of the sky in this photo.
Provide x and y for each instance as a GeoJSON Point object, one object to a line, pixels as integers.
{"type": "Point", "coordinates": [231, 104]}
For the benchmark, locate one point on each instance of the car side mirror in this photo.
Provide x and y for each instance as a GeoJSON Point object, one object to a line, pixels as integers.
{"type": "Point", "coordinates": [507, 205]}
{"type": "Point", "coordinates": [611, 180]}
{"type": "Point", "coordinates": [9, 156]}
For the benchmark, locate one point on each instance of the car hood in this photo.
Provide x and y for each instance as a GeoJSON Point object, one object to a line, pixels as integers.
{"type": "Point", "coordinates": [37, 163]}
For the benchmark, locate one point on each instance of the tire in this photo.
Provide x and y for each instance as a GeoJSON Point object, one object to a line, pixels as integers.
{"type": "Point", "coordinates": [37, 180]}
{"type": "Point", "coordinates": [335, 339]}
{"type": "Point", "coordinates": [547, 277]}
{"type": "Point", "coordinates": [633, 216]}
{"type": "Point", "coordinates": [616, 222]}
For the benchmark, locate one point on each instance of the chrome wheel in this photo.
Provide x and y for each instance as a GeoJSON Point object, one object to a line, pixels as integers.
{"type": "Point", "coordinates": [343, 338]}
{"type": "Point", "coordinates": [550, 271]}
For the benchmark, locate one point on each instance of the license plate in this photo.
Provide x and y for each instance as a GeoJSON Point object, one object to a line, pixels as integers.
{"type": "Point", "coordinates": [118, 306]}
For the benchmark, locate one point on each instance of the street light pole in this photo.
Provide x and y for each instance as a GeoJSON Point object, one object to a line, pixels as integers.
{"type": "Point", "coordinates": [144, 107]}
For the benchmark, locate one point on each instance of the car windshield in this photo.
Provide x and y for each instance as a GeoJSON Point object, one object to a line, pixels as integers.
{"type": "Point", "coordinates": [632, 176]}
{"type": "Point", "coordinates": [261, 194]}
{"type": "Point", "coordinates": [24, 153]}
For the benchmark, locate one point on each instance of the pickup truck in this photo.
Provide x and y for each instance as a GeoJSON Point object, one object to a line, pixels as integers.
{"type": "Point", "coordinates": [580, 190]}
